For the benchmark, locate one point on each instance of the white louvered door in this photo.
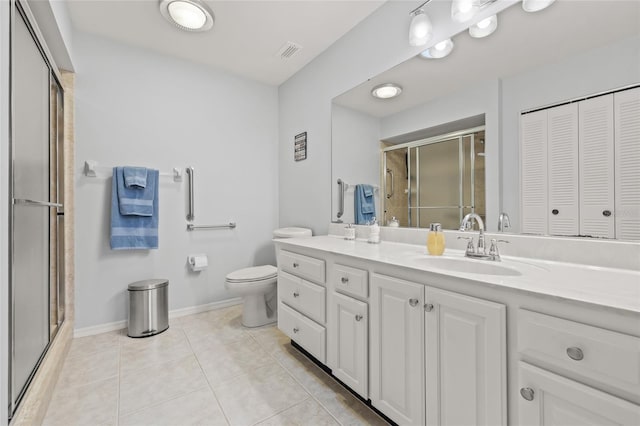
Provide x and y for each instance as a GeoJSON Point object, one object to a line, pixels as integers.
{"type": "Point", "coordinates": [563, 208]}
{"type": "Point", "coordinates": [595, 132]}
{"type": "Point", "coordinates": [627, 161]}
{"type": "Point", "coordinates": [533, 172]}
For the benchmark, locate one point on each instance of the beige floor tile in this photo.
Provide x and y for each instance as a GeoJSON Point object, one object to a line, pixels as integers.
{"type": "Point", "coordinates": [92, 404]}
{"type": "Point", "coordinates": [270, 338]}
{"type": "Point", "coordinates": [142, 388]}
{"type": "Point", "coordinates": [209, 329]}
{"type": "Point", "coordinates": [94, 344]}
{"type": "Point", "coordinates": [308, 412]}
{"type": "Point", "coordinates": [83, 369]}
{"type": "Point", "coordinates": [151, 351]}
{"type": "Point", "coordinates": [195, 408]}
{"type": "Point", "coordinates": [251, 398]}
{"type": "Point", "coordinates": [165, 339]}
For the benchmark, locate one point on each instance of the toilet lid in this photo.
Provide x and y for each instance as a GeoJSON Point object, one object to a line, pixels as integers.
{"type": "Point", "coordinates": [255, 273]}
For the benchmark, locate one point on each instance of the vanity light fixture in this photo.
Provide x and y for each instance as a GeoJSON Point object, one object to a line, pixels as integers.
{"type": "Point", "coordinates": [420, 29]}
{"type": "Point", "coordinates": [188, 15]}
{"type": "Point", "coordinates": [535, 5]}
{"type": "Point", "coordinates": [465, 10]}
{"type": "Point", "coordinates": [386, 91]}
{"type": "Point", "coordinates": [484, 28]}
{"type": "Point", "coordinates": [439, 50]}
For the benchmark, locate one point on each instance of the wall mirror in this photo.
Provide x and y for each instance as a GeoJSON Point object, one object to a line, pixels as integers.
{"type": "Point", "coordinates": [451, 139]}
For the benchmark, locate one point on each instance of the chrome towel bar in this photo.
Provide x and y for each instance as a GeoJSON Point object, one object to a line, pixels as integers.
{"type": "Point", "coordinates": [192, 227]}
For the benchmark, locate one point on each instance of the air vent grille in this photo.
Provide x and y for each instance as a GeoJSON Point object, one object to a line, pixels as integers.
{"type": "Point", "coordinates": [288, 50]}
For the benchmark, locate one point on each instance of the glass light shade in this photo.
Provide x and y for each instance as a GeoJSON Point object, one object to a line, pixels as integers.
{"type": "Point", "coordinates": [484, 28]}
{"type": "Point", "coordinates": [438, 51]}
{"type": "Point", "coordinates": [386, 91]}
{"type": "Point", "coordinates": [463, 10]}
{"type": "Point", "coordinates": [420, 29]}
{"type": "Point", "coordinates": [188, 15]}
{"type": "Point", "coordinates": [535, 5]}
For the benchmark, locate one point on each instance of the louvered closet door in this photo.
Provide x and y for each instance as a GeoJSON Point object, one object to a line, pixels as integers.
{"type": "Point", "coordinates": [533, 166]}
{"type": "Point", "coordinates": [627, 154]}
{"type": "Point", "coordinates": [595, 130]}
{"type": "Point", "coordinates": [563, 209]}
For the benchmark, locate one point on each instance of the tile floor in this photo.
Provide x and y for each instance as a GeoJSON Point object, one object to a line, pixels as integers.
{"type": "Point", "coordinates": [205, 370]}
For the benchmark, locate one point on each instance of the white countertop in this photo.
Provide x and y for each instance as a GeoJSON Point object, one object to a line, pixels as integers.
{"type": "Point", "coordinates": [607, 287]}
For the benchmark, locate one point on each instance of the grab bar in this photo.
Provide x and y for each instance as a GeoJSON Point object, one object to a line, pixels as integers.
{"type": "Point", "coordinates": [192, 227]}
{"type": "Point", "coordinates": [390, 194]}
{"type": "Point", "coordinates": [340, 199]}
{"type": "Point", "coordinates": [191, 212]}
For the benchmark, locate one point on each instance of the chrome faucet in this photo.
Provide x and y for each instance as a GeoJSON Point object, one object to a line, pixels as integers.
{"type": "Point", "coordinates": [480, 252]}
{"type": "Point", "coordinates": [503, 222]}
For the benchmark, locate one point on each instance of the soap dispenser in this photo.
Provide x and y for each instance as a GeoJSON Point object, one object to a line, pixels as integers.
{"type": "Point", "coordinates": [435, 240]}
{"type": "Point", "coordinates": [374, 232]}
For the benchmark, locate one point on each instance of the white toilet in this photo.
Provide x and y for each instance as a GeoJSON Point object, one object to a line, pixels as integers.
{"type": "Point", "coordinates": [257, 286]}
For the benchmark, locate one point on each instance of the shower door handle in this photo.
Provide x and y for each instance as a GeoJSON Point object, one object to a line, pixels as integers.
{"type": "Point", "coordinates": [191, 212]}
{"type": "Point", "coordinates": [390, 193]}
{"type": "Point", "coordinates": [340, 198]}
{"type": "Point", "coordinates": [35, 203]}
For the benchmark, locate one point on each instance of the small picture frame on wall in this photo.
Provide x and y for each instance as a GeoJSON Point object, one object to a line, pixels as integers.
{"type": "Point", "coordinates": [300, 147]}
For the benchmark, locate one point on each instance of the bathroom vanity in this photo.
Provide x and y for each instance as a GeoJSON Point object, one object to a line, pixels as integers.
{"type": "Point", "coordinates": [450, 340]}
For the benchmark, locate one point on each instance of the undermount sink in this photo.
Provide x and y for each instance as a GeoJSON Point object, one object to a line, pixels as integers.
{"type": "Point", "coordinates": [469, 266]}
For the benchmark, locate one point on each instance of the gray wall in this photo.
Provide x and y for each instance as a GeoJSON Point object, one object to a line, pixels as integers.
{"type": "Point", "coordinates": [136, 107]}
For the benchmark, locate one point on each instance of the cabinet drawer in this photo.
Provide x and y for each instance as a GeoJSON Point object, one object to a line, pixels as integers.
{"type": "Point", "coordinates": [303, 296]}
{"type": "Point", "coordinates": [302, 266]}
{"type": "Point", "coordinates": [351, 281]}
{"type": "Point", "coordinates": [599, 354]}
{"type": "Point", "coordinates": [305, 332]}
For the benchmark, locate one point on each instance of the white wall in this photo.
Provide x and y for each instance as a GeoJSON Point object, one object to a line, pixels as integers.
{"type": "Point", "coordinates": [136, 107]}
{"type": "Point", "coordinates": [356, 156]}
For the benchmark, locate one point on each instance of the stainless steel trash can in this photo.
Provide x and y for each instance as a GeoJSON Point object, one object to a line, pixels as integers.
{"type": "Point", "coordinates": [148, 307]}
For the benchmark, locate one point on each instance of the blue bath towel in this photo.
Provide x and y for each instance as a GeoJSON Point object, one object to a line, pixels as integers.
{"type": "Point", "coordinates": [365, 206]}
{"type": "Point", "coordinates": [135, 177]}
{"type": "Point", "coordinates": [133, 232]}
{"type": "Point", "coordinates": [135, 201]}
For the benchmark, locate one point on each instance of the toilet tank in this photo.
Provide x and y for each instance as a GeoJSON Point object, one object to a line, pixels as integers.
{"type": "Point", "coordinates": [292, 232]}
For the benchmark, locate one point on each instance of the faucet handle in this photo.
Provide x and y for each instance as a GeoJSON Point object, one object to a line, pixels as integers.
{"type": "Point", "coordinates": [470, 248]}
{"type": "Point", "coordinates": [493, 250]}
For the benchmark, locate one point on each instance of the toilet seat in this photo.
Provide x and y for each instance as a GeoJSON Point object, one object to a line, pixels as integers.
{"type": "Point", "coordinates": [254, 274]}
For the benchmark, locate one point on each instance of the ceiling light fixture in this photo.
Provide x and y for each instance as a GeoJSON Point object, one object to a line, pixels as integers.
{"type": "Point", "coordinates": [188, 15]}
{"type": "Point", "coordinates": [465, 10]}
{"type": "Point", "coordinates": [386, 91]}
{"type": "Point", "coordinates": [484, 28]}
{"type": "Point", "coordinates": [535, 5]}
{"type": "Point", "coordinates": [440, 50]}
{"type": "Point", "coordinates": [420, 29]}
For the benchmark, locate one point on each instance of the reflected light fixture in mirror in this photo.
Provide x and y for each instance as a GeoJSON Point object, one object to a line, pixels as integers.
{"type": "Point", "coordinates": [386, 91]}
{"type": "Point", "coordinates": [420, 29]}
{"type": "Point", "coordinates": [484, 28]}
{"type": "Point", "coordinates": [535, 5]}
{"type": "Point", "coordinates": [464, 10]}
{"type": "Point", "coordinates": [440, 50]}
{"type": "Point", "coordinates": [188, 15]}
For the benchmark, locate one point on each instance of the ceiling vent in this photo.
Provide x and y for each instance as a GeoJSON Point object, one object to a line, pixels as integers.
{"type": "Point", "coordinates": [288, 50]}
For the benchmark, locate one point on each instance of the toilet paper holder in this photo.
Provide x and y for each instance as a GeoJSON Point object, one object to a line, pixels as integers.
{"type": "Point", "coordinates": [197, 262]}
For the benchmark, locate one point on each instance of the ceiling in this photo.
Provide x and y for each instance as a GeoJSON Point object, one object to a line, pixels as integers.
{"type": "Point", "coordinates": [521, 42]}
{"type": "Point", "coordinates": [245, 38]}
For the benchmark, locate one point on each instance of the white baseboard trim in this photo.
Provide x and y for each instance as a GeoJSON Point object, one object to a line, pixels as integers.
{"type": "Point", "coordinates": [176, 313]}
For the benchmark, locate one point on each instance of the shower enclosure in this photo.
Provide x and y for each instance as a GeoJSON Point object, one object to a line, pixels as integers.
{"type": "Point", "coordinates": [439, 179]}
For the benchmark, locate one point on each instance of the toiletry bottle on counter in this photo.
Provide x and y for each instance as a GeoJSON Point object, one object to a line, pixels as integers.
{"type": "Point", "coordinates": [349, 232]}
{"type": "Point", "coordinates": [374, 232]}
{"type": "Point", "coordinates": [393, 222]}
{"type": "Point", "coordinates": [435, 240]}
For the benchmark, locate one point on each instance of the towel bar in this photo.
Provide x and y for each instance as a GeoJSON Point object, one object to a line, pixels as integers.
{"type": "Point", "coordinates": [192, 227]}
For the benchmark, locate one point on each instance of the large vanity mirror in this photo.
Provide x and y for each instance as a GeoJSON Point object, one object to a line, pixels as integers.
{"type": "Point", "coordinates": [449, 144]}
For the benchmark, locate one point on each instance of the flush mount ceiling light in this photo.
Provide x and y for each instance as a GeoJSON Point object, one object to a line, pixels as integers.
{"type": "Point", "coordinates": [386, 91]}
{"type": "Point", "coordinates": [484, 28]}
{"type": "Point", "coordinates": [188, 15]}
{"type": "Point", "coordinates": [535, 5]}
{"type": "Point", "coordinates": [438, 51]}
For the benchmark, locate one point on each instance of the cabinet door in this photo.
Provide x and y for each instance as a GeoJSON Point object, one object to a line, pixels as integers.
{"type": "Point", "coordinates": [349, 342]}
{"type": "Point", "coordinates": [533, 172]}
{"type": "Point", "coordinates": [466, 367]}
{"type": "Point", "coordinates": [397, 341]}
{"type": "Point", "coordinates": [552, 400]}
{"type": "Point", "coordinates": [563, 170]}
{"type": "Point", "coordinates": [595, 131]}
{"type": "Point", "coordinates": [627, 174]}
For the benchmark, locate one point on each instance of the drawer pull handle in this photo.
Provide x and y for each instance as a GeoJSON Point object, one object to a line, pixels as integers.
{"type": "Point", "coordinates": [527, 393]}
{"type": "Point", "coordinates": [295, 265]}
{"type": "Point", "coordinates": [413, 302]}
{"type": "Point", "coordinates": [296, 329]}
{"type": "Point", "coordinates": [358, 317]}
{"type": "Point", "coordinates": [575, 354]}
{"type": "Point", "coordinates": [428, 307]}
{"type": "Point", "coordinates": [296, 294]}
{"type": "Point", "coordinates": [344, 280]}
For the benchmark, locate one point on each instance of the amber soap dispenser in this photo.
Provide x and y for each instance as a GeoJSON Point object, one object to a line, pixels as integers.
{"type": "Point", "coordinates": [435, 240]}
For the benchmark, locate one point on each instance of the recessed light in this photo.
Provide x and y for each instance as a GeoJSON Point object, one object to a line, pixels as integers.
{"type": "Point", "coordinates": [188, 15]}
{"type": "Point", "coordinates": [535, 5]}
{"type": "Point", "coordinates": [484, 28]}
{"type": "Point", "coordinates": [440, 50]}
{"type": "Point", "coordinates": [386, 91]}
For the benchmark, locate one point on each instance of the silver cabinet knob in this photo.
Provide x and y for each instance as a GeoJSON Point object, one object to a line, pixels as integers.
{"type": "Point", "coordinates": [296, 329]}
{"type": "Point", "coordinates": [414, 302]}
{"type": "Point", "coordinates": [358, 317]}
{"type": "Point", "coordinates": [295, 265]}
{"type": "Point", "coordinates": [296, 294]}
{"type": "Point", "coordinates": [575, 354]}
{"type": "Point", "coordinates": [527, 393]}
{"type": "Point", "coordinates": [428, 307]}
{"type": "Point", "coordinates": [344, 280]}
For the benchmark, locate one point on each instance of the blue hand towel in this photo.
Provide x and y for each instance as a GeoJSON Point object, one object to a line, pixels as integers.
{"type": "Point", "coordinates": [135, 201]}
{"type": "Point", "coordinates": [135, 177]}
{"type": "Point", "coordinates": [133, 232]}
{"type": "Point", "coordinates": [365, 206]}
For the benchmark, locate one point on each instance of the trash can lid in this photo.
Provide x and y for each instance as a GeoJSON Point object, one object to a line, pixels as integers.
{"type": "Point", "coordinates": [148, 284]}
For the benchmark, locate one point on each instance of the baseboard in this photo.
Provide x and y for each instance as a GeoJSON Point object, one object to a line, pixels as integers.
{"type": "Point", "coordinates": [119, 325]}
